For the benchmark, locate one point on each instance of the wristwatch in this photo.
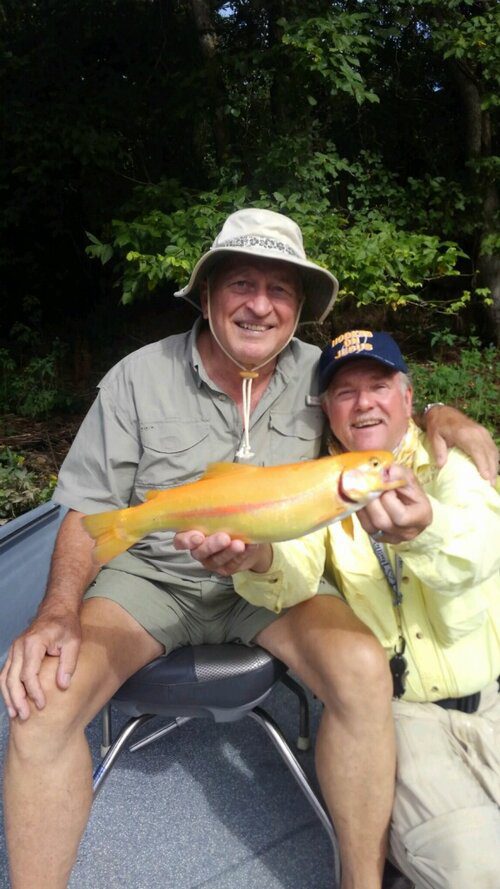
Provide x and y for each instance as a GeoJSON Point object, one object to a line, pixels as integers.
{"type": "Point", "coordinates": [433, 404]}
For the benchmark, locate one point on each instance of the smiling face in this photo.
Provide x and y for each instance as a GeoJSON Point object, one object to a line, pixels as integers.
{"type": "Point", "coordinates": [253, 305]}
{"type": "Point", "coordinates": [368, 406]}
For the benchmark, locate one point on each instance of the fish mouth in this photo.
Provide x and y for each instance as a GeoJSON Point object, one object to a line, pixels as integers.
{"type": "Point", "coordinates": [352, 494]}
{"type": "Point", "coordinates": [342, 491]}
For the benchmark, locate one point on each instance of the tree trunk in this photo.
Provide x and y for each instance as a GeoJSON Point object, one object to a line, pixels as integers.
{"type": "Point", "coordinates": [280, 85]}
{"type": "Point", "coordinates": [208, 40]}
{"type": "Point", "coordinates": [478, 143]}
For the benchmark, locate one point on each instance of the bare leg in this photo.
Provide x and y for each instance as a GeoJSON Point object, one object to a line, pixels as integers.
{"type": "Point", "coordinates": [340, 660]}
{"type": "Point", "coordinates": [48, 776]}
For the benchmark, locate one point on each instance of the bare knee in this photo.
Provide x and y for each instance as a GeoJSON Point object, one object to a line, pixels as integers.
{"type": "Point", "coordinates": [338, 657]}
{"type": "Point", "coordinates": [358, 674]}
{"type": "Point", "coordinates": [49, 730]}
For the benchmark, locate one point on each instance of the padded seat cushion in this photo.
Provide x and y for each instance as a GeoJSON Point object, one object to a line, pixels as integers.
{"type": "Point", "coordinates": [201, 677]}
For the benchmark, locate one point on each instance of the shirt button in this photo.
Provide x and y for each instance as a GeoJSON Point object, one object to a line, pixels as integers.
{"type": "Point", "coordinates": [405, 579]}
{"type": "Point", "coordinates": [434, 688]}
{"type": "Point", "coordinates": [419, 635]}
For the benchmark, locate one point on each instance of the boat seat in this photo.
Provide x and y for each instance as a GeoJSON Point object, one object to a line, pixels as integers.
{"type": "Point", "coordinates": [224, 682]}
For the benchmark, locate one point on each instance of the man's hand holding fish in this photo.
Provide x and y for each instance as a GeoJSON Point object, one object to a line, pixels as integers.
{"type": "Point", "coordinates": [397, 515]}
{"type": "Point", "coordinates": [223, 554]}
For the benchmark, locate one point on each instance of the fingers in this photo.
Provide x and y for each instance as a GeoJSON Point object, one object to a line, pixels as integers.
{"type": "Point", "coordinates": [400, 514]}
{"type": "Point", "coordinates": [31, 656]}
{"type": "Point", "coordinates": [21, 679]}
{"type": "Point", "coordinates": [4, 689]}
{"type": "Point", "coordinates": [188, 540]}
{"type": "Point", "coordinates": [20, 676]}
{"type": "Point", "coordinates": [386, 511]}
{"type": "Point", "coordinates": [223, 555]}
{"type": "Point", "coordinates": [484, 453]}
{"type": "Point", "coordinates": [477, 443]}
{"type": "Point", "coordinates": [375, 517]}
{"type": "Point", "coordinates": [441, 424]}
{"type": "Point", "coordinates": [447, 427]}
{"type": "Point", "coordinates": [219, 548]}
{"type": "Point", "coordinates": [219, 553]}
{"type": "Point", "coordinates": [440, 450]}
{"type": "Point", "coordinates": [67, 663]}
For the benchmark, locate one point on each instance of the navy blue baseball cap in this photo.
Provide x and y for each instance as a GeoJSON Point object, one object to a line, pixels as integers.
{"type": "Point", "coordinates": [359, 344]}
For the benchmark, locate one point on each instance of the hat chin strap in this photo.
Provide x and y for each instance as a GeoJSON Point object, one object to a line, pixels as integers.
{"type": "Point", "coordinates": [248, 375]}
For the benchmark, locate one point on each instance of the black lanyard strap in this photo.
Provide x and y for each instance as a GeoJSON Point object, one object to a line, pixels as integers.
{"type": "Point", "coordinates": [392, 579]}
{"type": "Point", "coordinates": [398, 663]}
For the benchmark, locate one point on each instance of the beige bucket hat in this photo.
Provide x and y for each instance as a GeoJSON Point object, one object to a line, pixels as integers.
{"type": "Point", "coordinates": [267, 235]}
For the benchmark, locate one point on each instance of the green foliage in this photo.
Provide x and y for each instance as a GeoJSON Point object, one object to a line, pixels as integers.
{"type": "Point", "coordinates": [468, 33]}
{"type": "Point", "coordinates": [332, 47]}
{"type": "Point", "coordinates": [160, 247]}
{"type": "Point", "coordinates": [376, 260]}
{"type": "Point", "coordinates": [31, 374]}
{"type": "Point", "coordinates": [33, 389]}
{"type": "Point", "coordinates": [21, 489]}
{"type": "Point", "coordinates": [124, 121]}
{"type": "Point", "coordinates": [469, 381]}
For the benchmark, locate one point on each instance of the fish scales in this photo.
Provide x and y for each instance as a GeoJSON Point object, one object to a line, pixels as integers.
{"type": "Point", "coordinates": [252, 503]}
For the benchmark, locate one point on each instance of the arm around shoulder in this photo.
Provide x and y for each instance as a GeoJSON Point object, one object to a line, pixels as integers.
{"type": "Point", "coordinates": [447, 427]}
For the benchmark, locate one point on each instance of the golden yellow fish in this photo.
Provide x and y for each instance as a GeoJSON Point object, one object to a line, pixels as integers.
{"type": "Point", "coordinates": [256, 504]}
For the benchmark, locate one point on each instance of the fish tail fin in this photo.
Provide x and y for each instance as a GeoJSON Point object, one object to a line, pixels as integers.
{"type": "Point", "coordinates": [110, 534]}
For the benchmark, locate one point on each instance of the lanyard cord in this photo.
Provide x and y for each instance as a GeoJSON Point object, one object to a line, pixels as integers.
{"type": "Point", "coordinates": [244, 451]}
{"type": "Point", "coordinates": [394, 581]}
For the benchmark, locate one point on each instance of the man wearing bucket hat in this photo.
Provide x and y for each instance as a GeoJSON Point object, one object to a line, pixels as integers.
{"type": "Point", "coordinates": [421, 571]}
{"type": "Point", "coordinates": [237, 387]}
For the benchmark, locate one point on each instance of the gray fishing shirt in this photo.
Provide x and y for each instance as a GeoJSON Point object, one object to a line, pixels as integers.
{"type": "Point", "coordinates": [158, 420]}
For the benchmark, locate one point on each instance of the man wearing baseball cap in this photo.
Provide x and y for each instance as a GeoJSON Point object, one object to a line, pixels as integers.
{"type": "Point", "coordinates": [238, 386]}
{"type": "Point", "coordinates": [420, 569]}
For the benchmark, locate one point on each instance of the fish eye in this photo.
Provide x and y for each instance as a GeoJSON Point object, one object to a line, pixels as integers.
{"type": "Point", "coordinates": [375, 462]}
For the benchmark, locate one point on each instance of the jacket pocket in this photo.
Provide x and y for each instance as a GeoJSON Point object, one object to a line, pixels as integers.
{"type": "Point", "coordinates": [454, 617]}
{"type": "Point", "coordinates": [296, 435]}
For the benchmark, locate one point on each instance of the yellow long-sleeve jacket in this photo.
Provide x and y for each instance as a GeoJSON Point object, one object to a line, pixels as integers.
{"type": "Point", "coordinates": [450, 614]}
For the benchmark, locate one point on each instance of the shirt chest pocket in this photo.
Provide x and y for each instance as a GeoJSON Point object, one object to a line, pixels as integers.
{"type": "Point", "coordinates": [296, 435]}
{"type": "Point", "coordinates": [174, 452]}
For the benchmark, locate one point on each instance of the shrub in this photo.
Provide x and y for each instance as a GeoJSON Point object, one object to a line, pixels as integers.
{"type": "Point", "coordinates": [21, 489]}
{"type": "Point", "coordinates": [470, 383]}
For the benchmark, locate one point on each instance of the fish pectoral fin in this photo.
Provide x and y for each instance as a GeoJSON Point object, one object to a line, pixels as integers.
{"type": "Point", "coordinates": [150, 495]}
{"type": "Point", "coordinates": [348, 526]}
{"type": "Point", "coordinates": [216, 470]}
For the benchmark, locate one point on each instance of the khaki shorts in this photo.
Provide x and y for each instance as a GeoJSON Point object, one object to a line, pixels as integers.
{"type": "Point", "coordinates": [180, 612]}
{"type": "Point", "coordinates": [446, 819]}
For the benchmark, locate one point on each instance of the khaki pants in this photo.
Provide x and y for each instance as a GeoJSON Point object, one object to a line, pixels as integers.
{"type": "Point", "coordinates": [445, 832]}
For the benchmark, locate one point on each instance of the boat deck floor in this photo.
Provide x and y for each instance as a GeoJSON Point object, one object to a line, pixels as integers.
{"type": "Point", "coordinates": [210, 805]}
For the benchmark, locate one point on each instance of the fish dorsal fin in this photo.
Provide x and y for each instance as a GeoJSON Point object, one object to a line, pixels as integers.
{"type": "Point", "coordinates": [213, 470]}
{"type": "Point", "coordinates": [217, 470]}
